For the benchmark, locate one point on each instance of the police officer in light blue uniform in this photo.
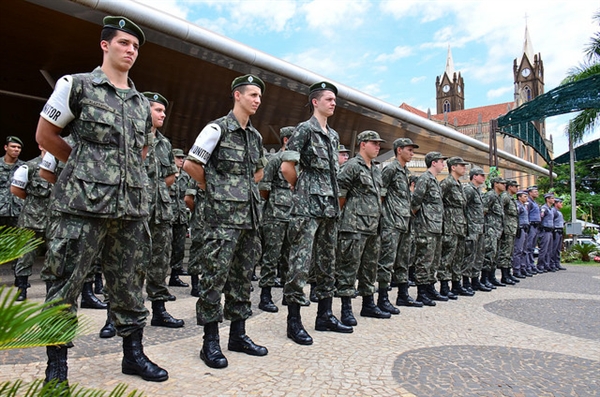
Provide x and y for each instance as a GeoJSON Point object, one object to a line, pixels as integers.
{"type": "Point", "coordinates": [519, 263]}
{"type": "Point", "coordinates": [546, 233]}
{"type": "Point", "coordinates": [534, 228]}
{"type": "Point", "coordinates": [559, 224]}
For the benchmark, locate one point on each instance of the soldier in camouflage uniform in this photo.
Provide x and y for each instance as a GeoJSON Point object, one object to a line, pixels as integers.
{"type": "Point", "coordinates": [455, 231]}
{"type": "Point", "coordinates": [276, 216]}
{"type": "Point", "coordinates": [315, 209]}
{"type": "Point", "coordinates": [428, 209]}
{"type": "Point", "coordinates": [511, 225]}
{"type": "Point", "coordinates": [359, 243]}
{"type": "Point", "coordinates": [395, 258]}
{"type": "Point", "coordinates": [194, 200]}
{"type": "Point", "coordinates": [161, 170]}
{"type": "Point", "coordinates": [100, 194]}
{"type": "Point", "coordinates": [475, 241]}
{"type": "Point", "coordinates": [180, 220]}
{"type": "Point", "coordinates": [29, 186]}
{"type": "Point", "coordinates": [227, 161]}
{"type": "Point", "coordinates": [494, 226]}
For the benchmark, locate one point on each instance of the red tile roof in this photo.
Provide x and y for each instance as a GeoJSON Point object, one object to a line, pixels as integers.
{"type": "Point", "coordinates": [467, 116]}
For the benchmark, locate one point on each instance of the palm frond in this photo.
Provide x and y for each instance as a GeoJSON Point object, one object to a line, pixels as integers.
{"type": "Point", "coordinates": [582, 124]}
{"type": "Point", "coordinates": [16, 242]}
{"type": "Point", "coordinates": [56, 389]}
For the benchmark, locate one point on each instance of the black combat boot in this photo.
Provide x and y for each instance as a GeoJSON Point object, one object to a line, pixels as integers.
{"type": "Point", "coordinates": [98, 285]}
{"type": "Point", "coordinates": [506, 277]}
{"type": "Point", "coordinates": [211, 349]}
{"type": "Point", "coordinates": [370, 309]}
{"type": "Point", "coordinates": [494, 280]}
{"type": "Point", "coordinates": [485, 279]}
{"type": "Point", "coordinates": [57, 364]}
{"type": "Point", "coordinates": [422, 295]}
{"type": "Point", "coordinates": [295, 329]}
{"type": "Point", "coordinates": [240, 342]}
{"type": "Point", "coordinates": [326, 321]}
{"type": "Point", "coordinates": [458, 289]}
{"type": "Point", "coordinates": [195, 291]}
{"type": "Point", "coordinates": [404, 299]}
{"type": "Point", "coordinates": [434, 295]}
{"type": "Point", "coordinates": [445, 290]}
{"type": "Point", "coordinates": [109, 330]}
{"type": "Point", "coordinates": [478, 286]}
{"type": "Point", "coordinates": [347, 315]}
{"type": "Point", "coordinates": [467, 286]}
{"type": "Point", "coordinates": [313, 293]}
{"type": "Point", "coordinates": [135, 362]}
{"type": "Point", "coordinates": [518, 274]}
{"type": "Point", "coordinates": [162, 318]}
{"type": "Point", "coordinates": [509, 273]}
{"type": "Point", "coordinates": [21, 282]}
{"type": "Point", "coordinates": [266, 301]}
{"type": "Point", "coordinates": [175, 281]}
{"type": "Point", "coordinates": [383, 302]}
{"type": "Point", "coordinates": [89, 300]}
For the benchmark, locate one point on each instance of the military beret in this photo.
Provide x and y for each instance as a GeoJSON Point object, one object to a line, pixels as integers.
{"type": "Point", "coordinates": [433, 156]}
{"type": "Point", "coordinates": [512, 182]}
{"type": "Point", "coordinates": [548, 195]}
{"type": "Point", "coordinates": [498, 180]}
{"type": "Point", "coordinates": [248, 79]}
{"type": "Point", "coordinates": [403, 142]}
{"type": "Point", "coordinates": [367, 136]}
{"type": "Point", "coordinates": [125, 25]}
{"type": "Point", "coordinates": [323, 85]}
{"type": "Point", "coordinates": [456, 161]}
{"type": "Point", "coordinates": [156, 97]}
{"type": "Point", "coordinates": [476, 171]}
{"type": "Point", "coordinates": [178, 153]}
{"type": "Point", "coordinates": [286, 132]}
{"type": "Point", "coordinates": [342, 149]}
{"type": "Point", "coordinates": [13, 139]}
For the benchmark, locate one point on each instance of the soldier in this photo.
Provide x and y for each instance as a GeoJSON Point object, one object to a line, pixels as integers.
{"type": "Point", "coordinates": [474, 242]}
{"type": "Point", "coordinates": [511, 225]}
{"type": "Point", "coordinates": [343, 154]}
{"type": "Point", "coordinates": [180, 220]}
{"type": "Point", "coordinates": [546, 234]}
{"type": "Point", "coordinates": [358, 237]}
{"type": "Point", "coordinates": [194, 200]}
{"type": "Point", "coordinates": [534, 228]}
{"type": "Point", "coordinates": [494, 226]}
{"type": "Point", "coordinates": [455, 231]}
{"type": "Point", "coordinates": [315, 209]}
{"type": "Point", "coordinates": [428, 209]}
{"type": "Point", "coordinates": [100, 194]}
{"type": "Point", "coordinates": [227, 161]}
{"type": "Point", "coordinates": [395, 259]}
{"type": "Point", "coordinates": [276, 216]}
{"type": "Point", "coordinates": [559, 223]}
{"type": "Point", "coordinates": [519, 261]}
{"type": "Point", "coordinates": [160, 168]}
{"type": "Point", "coordinates": [35, 191]}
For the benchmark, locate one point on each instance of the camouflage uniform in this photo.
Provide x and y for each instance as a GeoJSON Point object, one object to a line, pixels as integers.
{"type": "Point", "coordinates": [358, 238]}
{"type": "Point", "coordinates": [180, 219]}
{"type": "Point", "coordinates": [474, 242]}
{"type": "Point", "coordinates": [276, 217]}
{"type": "Point", "coordinates": [429, 208]}
{"type": "Point", "coordinates": [34, 214]}
{"type": "Point", "coordinates": [315, 208]}
{"type": "Point", "coordinates": [455, 230]}
{"type": "Point", "coordinates": [511, 225]}
{"type": "Point", "coordinates": [231, 214]}
{"type": "Point", "coordinates": [197, 228]}
{"type": "Point", "coordinates": [10, 205]}
{"type": "Point", "coordinates": [494, 226]}
{"type": "Point", "coordinates": [100, 197]}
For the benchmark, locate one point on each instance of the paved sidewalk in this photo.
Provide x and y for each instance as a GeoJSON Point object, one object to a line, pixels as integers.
{"type": "Point", "coordinates": [539, 338]}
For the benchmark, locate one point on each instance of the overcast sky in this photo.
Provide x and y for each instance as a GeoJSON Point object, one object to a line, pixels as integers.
{"type": "Point", "coordinates": [394, 50]}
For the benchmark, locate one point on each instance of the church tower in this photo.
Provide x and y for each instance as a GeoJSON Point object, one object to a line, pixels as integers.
{"type": "Point", "coordinates": [449, 89]}
{"type": "Point", "coordinates": [528, 73]}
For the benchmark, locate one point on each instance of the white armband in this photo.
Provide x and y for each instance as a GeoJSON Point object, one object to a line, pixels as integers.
{"type": "Point", "coordinates": [57, 111]}
{"type": "Point", "coordinates": [205, 143]}
{"type": "Point", "coordinates": [21, 177]}
{"type": "Point", "coordinates": [48, 162]}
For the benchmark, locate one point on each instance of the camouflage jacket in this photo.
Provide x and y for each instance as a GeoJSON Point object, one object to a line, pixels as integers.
{"type": "Point", "coordinates": [197, 219]}
{"type": "Point", "coordinates": [455, 220]}
{"type": "Point", "coordinates": [279, 203]}
{"type": "Point", "coordinates": [361, 186]}
{"type": "Point", "coordinates": [494, 212]}
{"type": "Point", "coordinates": [35, 210]}
{"type": "Point", "coordinates": [511, 214]}
{"type": "Point", "coordinates": [104, 175]}
{"type": "Point", "coordinates": [10, 205]}
{"type": "Point", "coordinates": [396, 201]}
{"type": "Point", "coordinates": [159, 163]}
{"type": "Point", "coordinates": [177, 193]}
{"type": "Point", "coordinates": [474, 209]}
{"type": "Point", "coordinates": [427, 205]}
{"type": "Point", "coordinates": [316, 192]}
{"type": "Point", "coordinates": [232, 198]}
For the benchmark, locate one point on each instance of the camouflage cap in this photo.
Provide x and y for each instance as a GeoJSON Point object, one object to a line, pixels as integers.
{"type": "Point", "coordinates": [323, 85]}
{"type": "Point", "coordinates": [178, 153]}
{"type": "Point", "coordinates": [476, 171]}
{"type": "Point", "coordinates": [403, 142]}
{"type": "Point", "coordinates": [456, 161]}
{"type": "Point", "coordinates": [14, 139]}
{"type": "Point", "coordinates": [433, 156]}
{"type": "Point", "coordinates": [367, 136]}
{"type": "Point", "coordinates": [286, 132]}
{"type": "Point", "coordinates": [343, 149]}
{"type": "Point", "coordinates": [512, 182]}
{"type": "Point", "coordinates": [248, 79]}
{"type": "Point", "coordinates": [156, 97]}
{"type": "Point", "coordinates": [498, 180]}
{"type": "Point", "coordinates": [125, 25]}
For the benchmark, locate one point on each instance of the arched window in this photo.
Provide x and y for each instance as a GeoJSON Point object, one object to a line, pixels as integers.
{"type": "Point", "coordinates": [446, 106]}
{"type": "Point", "coordinates": [527, 92]}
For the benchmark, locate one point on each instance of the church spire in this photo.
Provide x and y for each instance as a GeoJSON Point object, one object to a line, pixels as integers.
{"type": "Point", "coordinates": [449, 64]}
{"type": "Point", "coordinates": [527, 46]}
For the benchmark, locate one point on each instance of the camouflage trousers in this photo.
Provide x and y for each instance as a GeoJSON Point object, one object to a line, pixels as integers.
{"type": "Point", "coordinates": [275, 252]}
{"type": "Point", "coordinates": [532, 242]}
{"type": "Point", "coordinates": [394, 259]}
{"type": "Point", "coordinates": [196, 257]}
{"type": "Point", "coordinates": [505, 251]}
{"type": "Point", "coordinates": [474, 251]}
{"type": "Point", "coordinates": [491, 239]}
{"type": "Point", "coordinates": [73, 244]}
{"type": "Point", "coordinates": [357, 256]}
{"type": "Point", "coordinates": [306, 233]}
{"type": "Point", "coordinates": [519, 260]}
{"type": "Point", "coordinates": [179, 231]}
{"type": "Point", "coordinates": [428, 251]}
{"type": "Point", "coordinates": [230, 256]}
{"type": "Point", "coordinates": [157, 266]}
{"type": "Point", "coordinates": [452, 259]}
{"type": "Point", "coordinates": [24, 264]}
